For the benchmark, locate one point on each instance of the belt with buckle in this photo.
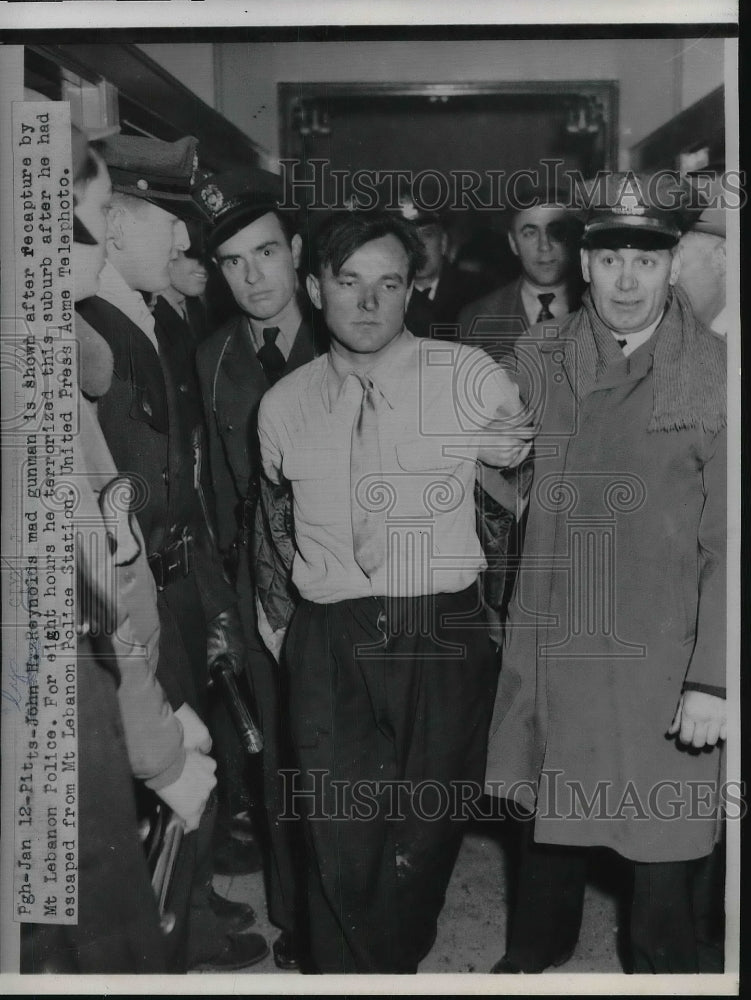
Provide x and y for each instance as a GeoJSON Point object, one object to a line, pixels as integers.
{"type": "Point", "coordinates": [172, 561]}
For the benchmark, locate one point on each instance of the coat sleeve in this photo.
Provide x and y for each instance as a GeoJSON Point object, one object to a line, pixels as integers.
{"type": "Point", "coordinates": [225, 492]}
{"type": "Point", "coordinates": [707, 667]}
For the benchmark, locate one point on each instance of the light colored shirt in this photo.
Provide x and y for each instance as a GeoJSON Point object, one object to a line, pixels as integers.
{"type": "Point", "coordinates": [532, 305]}
{"type": "Point", "coordinates": [284, 339]}
{"type": "Point", "coordinates": [114, 289]}
{"type": "Point", "coordinates": [634, 340]}
{"type": "Point", "coordinates": [437, 401]}
{"type": "Point", "coordinates": [431, 289]}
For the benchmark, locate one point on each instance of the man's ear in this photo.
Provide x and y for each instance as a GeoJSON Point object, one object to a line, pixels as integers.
{"type": "Point", "coordinates": [512, 244]}
{"type": "Point", "coordinates": [296, 245]}
{"type": "Point", "coordinates": [584, 257]}
{"type": "Point", "coordinates": [675, 266]}
{"type": "Point", "coordinates": [114, 232]}
{"type": "Point", "coordinates": [314, 290]}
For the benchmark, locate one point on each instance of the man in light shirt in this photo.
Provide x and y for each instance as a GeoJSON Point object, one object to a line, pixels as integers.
{"type": "Point", "coordinates": [390, 667]}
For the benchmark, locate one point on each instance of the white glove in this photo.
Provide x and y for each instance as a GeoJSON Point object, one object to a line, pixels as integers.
{"type": "Point", "coordinates": [195, 735]}
{"type": "Point", "coordinates": [187, 797]}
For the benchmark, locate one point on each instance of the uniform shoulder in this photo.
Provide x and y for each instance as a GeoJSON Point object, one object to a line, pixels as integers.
{"type": "Point", "coordinates": [293, 384]}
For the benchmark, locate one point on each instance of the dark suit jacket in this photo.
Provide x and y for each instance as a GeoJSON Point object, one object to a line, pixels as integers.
{"type": "Point", "coordinates": [455, 289]}
{"type": "Point", "coordinates": [495, 321]}
{"type": "Point", "coordinates": [146, 427]}
{"type": "Point", "coordinates": [232, 384]}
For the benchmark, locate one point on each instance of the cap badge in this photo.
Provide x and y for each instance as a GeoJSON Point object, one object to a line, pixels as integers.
{"type": "Point", "coordinates": [212, 197]}
{"type": "Point", "coordinates": [142, 184]}
{"type": "Point", "coordinates": [628, 203]}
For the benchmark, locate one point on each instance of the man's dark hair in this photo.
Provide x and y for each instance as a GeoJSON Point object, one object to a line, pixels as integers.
{"type": "Point", "coordinates": [342, 233]}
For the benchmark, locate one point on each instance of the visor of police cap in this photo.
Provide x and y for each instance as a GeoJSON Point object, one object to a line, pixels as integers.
{"type": "Point", "coordinates": [643, 211]}
{"type": "Point", "coordinates": [234, 199]}
{"type": "Point", "coordinates": [160, 172]}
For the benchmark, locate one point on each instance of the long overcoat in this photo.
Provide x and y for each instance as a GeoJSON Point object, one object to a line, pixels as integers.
{"type": "Point", "coordinates": [620, 601]}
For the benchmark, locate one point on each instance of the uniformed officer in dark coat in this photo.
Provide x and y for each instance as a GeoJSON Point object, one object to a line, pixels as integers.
{"type": "Point", "coordinates": [257, 251]}
{"type": "Point", "coordinates": [153, 440]}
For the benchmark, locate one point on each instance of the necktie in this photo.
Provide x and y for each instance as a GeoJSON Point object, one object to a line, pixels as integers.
{"type": "Point", "coordinates": [271, 358]}
{"type": "Point", "coordinates": [545, 299]}
{"type": "Point", "coordinates": [421, 294]}
{"type": "Point", "coordinates": [621, 343]}
{"type": "Point", "coordinates": [365, 461]}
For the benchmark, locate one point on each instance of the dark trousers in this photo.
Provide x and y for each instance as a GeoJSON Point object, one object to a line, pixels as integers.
{"type": "Point", "coordinates": [390, 705]}
{"type": "Point", "coordinates": [266, 679]}
{"type": "Point", "coordinates": [669, 906]}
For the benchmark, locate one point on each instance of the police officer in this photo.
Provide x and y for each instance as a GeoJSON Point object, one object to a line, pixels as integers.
{"type": "Point", "coordinates": [257, 251]}
{"type": "Point", "coordinates": [152, 440]}
{"type": "Point", "coordinates": [614, 665]}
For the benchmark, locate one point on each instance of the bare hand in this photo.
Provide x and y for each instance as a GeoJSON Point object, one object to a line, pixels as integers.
{"type": "Point", "coordinates": [700, 719]}
{"type": "Point", "coordinates": [187, 796]}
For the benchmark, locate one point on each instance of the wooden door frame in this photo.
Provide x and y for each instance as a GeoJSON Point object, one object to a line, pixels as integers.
{"type": "Point", "coordinates": [606, 91]}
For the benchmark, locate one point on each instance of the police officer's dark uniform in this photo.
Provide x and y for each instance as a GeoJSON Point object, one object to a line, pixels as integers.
{"type": "Point", "coordinates": [233, 380]}
{"type": "Point", "coordinates": [151, 437]}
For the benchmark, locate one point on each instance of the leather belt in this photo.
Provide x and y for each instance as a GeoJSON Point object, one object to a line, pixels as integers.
{"type": "Point", "coordinates": [172, 561]}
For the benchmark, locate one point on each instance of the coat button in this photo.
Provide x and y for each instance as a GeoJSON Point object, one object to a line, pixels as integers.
{"type": "Point", "coordinates": [165, 476]}
{"type": "Point", "coordinates": [183, 387]}
{"type": "Point", "coordinates": [230, 427]}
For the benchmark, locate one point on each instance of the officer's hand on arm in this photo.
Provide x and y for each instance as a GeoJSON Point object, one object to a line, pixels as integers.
{"type": "Point", "coordinates": [187, 796]}
{"type": "Point", "coordinates": [700, 720]}
{"type": "Point", "coordinates": [195, 734]}
{"type": "Point", "coordinates": [225, 638]}
{"type": "Point", "coordinates": [508, 447]}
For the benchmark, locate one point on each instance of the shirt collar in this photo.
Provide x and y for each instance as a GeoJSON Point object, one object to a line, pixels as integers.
{"type": "Point", "coordinates": [385, 373]}
{"type": "Point", "coordinates": [634, 340]}
{"type": "Point", "coordinates": [115, 290]}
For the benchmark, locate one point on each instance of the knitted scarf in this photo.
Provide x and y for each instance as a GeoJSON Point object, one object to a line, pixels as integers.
{"type": "Point", "coordinates": [689, 372]}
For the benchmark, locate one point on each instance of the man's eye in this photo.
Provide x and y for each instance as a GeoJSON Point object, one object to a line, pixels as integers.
{"type": "Point", "coordinates": [346, 283]}
{"type": "Point", "coordinates": [646, 262]}
{"type": "Point", "coordinates": [230, 262]}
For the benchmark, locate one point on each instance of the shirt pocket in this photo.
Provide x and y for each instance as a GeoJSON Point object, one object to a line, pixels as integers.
{"type": "Point", "coordinates": [431, 481]}
{"type": "Point", "coordinates": [319, 485]}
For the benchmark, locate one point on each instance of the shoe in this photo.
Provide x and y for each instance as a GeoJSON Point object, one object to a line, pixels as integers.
{"type": "Point", "coordinates": [505, 966]}
{"type": "Point", "coordinates": [237, 917]}
{"type": "Point", "coordinates": [238, 951]}
{"type": "Point", "coordinates": [237, 857]}
{"type": "Point", "coordinates": [285, 951]}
